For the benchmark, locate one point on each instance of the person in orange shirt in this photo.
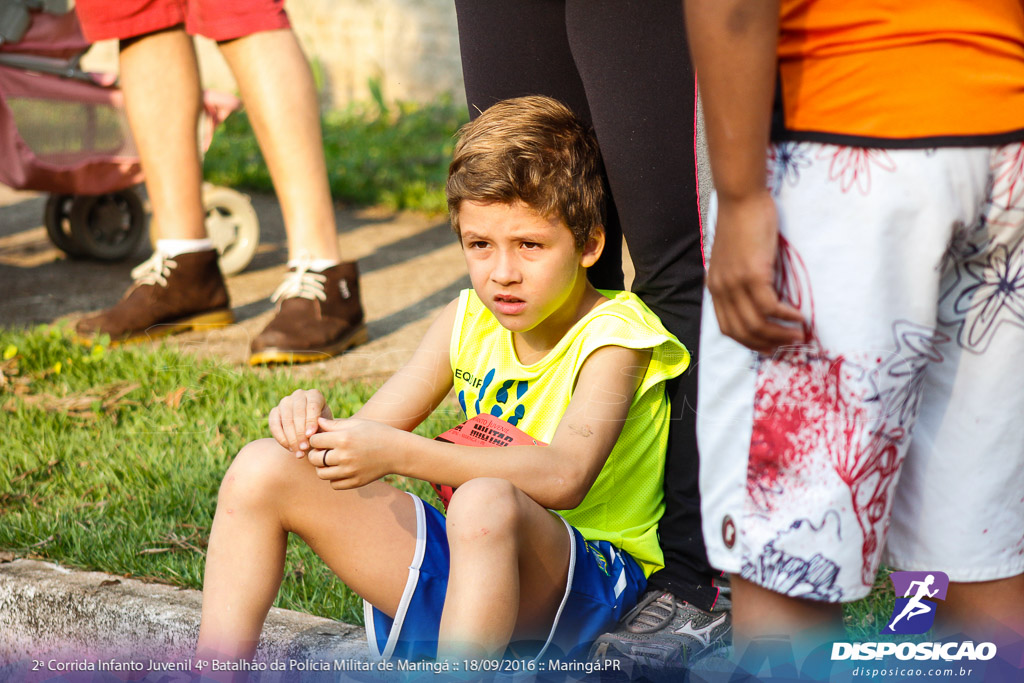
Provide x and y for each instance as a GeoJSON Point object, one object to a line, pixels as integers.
{"type": "Point", "coordinates": [863, 346]}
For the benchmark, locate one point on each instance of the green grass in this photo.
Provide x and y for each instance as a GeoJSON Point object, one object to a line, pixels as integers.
{"type": "Point", "coordinates": [112, 459]}
{"type": "Point", "coordinates": [865, 618]}
{"type": "Point", "coordinates": [393, 156]}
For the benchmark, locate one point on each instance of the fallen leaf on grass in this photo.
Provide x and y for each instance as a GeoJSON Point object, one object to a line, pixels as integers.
{"type": "Point", "coordinates": [188, 542]}
{"type": "Point", "coordinates": [177, 542]}
{"type": "Point", "coordinates": [80, 404]}
{"type": "Point", "coordinates": [8, 498]}
{"type": "Point", "coordinates": [28, 473]}
{"type": "Point", "coordinates": [110, 582]}
{"type": "Point", "coordinates": [299, 571]}
{"type": "Point", "coordinates": [21, 386]}
{"type": "Point", "coordinates": [9, 372]}
{"type": "Point", "coordinates": [173, 398]}
{"type": "Point", "coordinates": [42, 542]}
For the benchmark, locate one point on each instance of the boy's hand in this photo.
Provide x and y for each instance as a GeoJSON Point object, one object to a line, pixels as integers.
{"type": "Point", "coordinates": [741, 276]}
{"type": "Point", "coordinates": [294, 419]}
{"type": "Point", "coordinates": [352, 453]}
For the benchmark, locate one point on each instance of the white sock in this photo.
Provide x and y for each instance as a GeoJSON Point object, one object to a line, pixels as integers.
{"type": "Point", "coordinates": [316, 265]}
{"type": "Point", "coordinates": [172, 248]}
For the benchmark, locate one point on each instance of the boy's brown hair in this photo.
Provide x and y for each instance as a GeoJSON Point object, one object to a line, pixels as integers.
{"type": "Point", "coordinates": [531, 150]}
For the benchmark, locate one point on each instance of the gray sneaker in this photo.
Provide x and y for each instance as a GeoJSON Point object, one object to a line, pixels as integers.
{"type": "Point", "coordinates": [662, 632]}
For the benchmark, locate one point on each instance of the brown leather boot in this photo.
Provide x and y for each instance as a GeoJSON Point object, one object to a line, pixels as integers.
{"type": "Point", "coordinates": [169, 295]}
{"type": "Point", "coordinates": [318, 316]}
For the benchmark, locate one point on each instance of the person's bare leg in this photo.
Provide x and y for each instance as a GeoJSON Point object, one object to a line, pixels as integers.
{"type": "Point", "coordinates": [509, 566]}
{"type": "Point", "coordinates": [316, 317]}
{"type": "Point", "coordinates": [160, 80]}
{"type": "Point", "coordinates": [280, 97]}
{"type": "Point", "coordinates": [759, 614]}
{"type": "Point", "coordinates": [991, 611]}
{"type": "Point", "coordinates": [366, 536]}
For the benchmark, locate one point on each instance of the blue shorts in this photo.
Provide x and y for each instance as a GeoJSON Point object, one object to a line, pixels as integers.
{"type": "Point", "coordinates": [604, 583]}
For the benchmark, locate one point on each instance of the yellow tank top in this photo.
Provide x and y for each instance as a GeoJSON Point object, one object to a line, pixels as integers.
{"type": "Point", "coordinates": [626, 501]}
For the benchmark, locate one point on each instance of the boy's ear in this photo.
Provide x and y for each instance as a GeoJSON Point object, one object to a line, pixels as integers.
{"type": "Point", "coordinates": [593, 247]}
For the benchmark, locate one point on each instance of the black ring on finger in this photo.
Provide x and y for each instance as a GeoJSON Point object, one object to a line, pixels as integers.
{"type": "Point", "coordinates": [325, 458]}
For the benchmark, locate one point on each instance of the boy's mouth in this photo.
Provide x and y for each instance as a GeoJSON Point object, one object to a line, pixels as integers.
{"type": "Point", "coordinates": [508, 304]}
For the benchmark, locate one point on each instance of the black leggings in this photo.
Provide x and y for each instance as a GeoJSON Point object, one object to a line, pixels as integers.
{"type": "Point", "coordinates": [623, 66]}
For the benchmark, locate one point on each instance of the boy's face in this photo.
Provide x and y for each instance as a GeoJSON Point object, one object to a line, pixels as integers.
{"type": "Point", "coordinates": [525, 268]}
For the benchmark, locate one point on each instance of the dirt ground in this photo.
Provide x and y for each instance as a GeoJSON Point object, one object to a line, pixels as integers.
{"type": "Point", "coordinates": [410, 265]}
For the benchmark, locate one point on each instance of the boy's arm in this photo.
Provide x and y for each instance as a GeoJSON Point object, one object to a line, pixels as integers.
{"type": "Point", "coordinates": [557, 476]}
{"type": "Point", "coordinates": [402, 402]}
{"type": "Point", "coordinates": [412, 393]}
{"type": "Point", "coordinates": [734, 43]}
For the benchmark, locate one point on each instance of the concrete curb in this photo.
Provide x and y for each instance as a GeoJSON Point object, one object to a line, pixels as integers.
{"type": "Point", "coordinates": [48, 611]}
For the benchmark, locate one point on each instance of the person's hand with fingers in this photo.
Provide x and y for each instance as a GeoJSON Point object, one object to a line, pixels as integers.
{"type": "Point", "coordinates": [741, 276]}
{"type": "Point", "coordinates": [352, 453]}
{"type": "Point", "coordinates": [295, 419]}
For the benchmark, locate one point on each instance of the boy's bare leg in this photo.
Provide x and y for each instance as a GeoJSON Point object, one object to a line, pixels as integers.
{"type": "Point", "coordinates": [759, 613]}
{"type": "Point", "coordinates": [160, 80]}
{"type": "Point", "coordinates": [990, 611]}
{"type": "Point", "coordinates": [280, 97]}
{"type": "Point", "coordinates": [366, 536]}
{"type": "Point", "coordinates": [509, 566]}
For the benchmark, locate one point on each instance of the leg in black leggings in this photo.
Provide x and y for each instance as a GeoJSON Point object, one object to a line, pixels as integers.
{"type": "Point", "coordinates": [511, 49]}
{"type": "Point", "coordinates": [623, 66]}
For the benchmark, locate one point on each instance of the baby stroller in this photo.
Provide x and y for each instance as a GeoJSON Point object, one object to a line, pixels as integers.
{"type": "Point", "coordinates": [64, 131]}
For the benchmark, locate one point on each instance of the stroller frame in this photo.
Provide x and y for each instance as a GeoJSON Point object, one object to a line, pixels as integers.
{"type": "Point", "coordinates": [103, 218]}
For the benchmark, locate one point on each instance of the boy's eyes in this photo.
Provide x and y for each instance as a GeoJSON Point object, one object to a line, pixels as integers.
{"type": "Point", "coordinates": [480, 244]}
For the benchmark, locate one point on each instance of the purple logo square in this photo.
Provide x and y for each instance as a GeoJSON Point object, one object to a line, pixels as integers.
{"type": "Point", "coordinates": [916, 593]}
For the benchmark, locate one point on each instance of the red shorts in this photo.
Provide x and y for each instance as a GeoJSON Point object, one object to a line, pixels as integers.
{"type": "Point", "coordinates": [215, 19]}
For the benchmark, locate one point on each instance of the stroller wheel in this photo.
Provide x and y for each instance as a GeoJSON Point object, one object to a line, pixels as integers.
{"type": "Point", "coordinates": [233, 227]}
{"type": "Point", "coordinates": [57, 219]}
{"type": "Point", "coordinates": [108, 227]}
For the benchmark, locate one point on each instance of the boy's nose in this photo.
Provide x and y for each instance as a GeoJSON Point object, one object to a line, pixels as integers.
{"type": "Point", "coordinates": [506, 270]}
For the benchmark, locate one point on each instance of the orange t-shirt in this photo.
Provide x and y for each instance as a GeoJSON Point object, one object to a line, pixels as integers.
{"type": "Point", "coordinates": [901, 72]}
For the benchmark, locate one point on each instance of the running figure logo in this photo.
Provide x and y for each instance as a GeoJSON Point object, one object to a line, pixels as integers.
{"type": "Point", "coordinates": [915, 611]}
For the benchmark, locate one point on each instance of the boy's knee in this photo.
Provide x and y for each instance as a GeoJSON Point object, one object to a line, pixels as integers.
{"type": "Point", "coordinates": [257, 471]}
{"type": "Point", "coordinates": [483, 509]}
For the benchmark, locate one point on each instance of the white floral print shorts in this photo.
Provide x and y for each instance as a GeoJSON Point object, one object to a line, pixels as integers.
{"type": "Point", "coordinates": [897, 432]}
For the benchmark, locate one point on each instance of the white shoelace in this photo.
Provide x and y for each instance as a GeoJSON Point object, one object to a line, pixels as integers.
{"type": "Point", "coordinates": [301, 283]}
{"type": "Point", "coordinates": [154, 270]}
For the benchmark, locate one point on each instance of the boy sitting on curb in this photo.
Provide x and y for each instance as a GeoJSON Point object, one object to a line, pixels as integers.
{"type": "Point", "coordinates": [533, 343]}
